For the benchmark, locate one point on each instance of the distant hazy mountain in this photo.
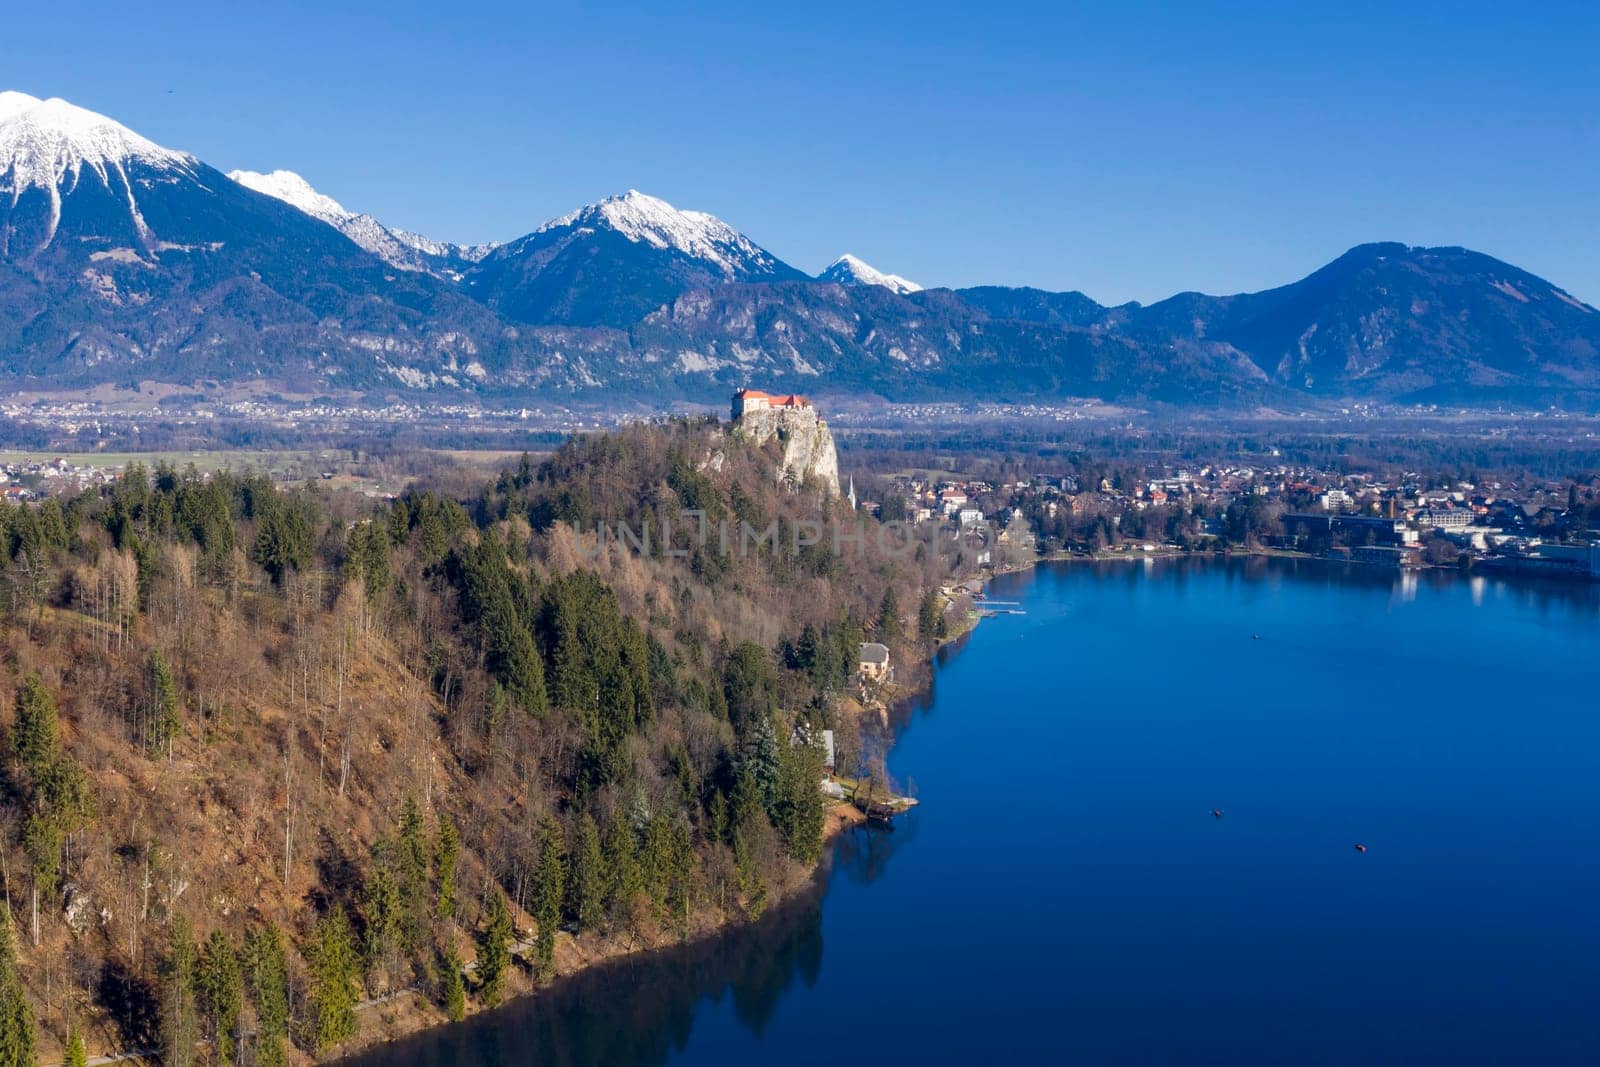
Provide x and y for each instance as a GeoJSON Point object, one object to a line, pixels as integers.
{"type": "Point", "coordinates": [1382, 322]}
{"type": "Point", "coordinates": [1391, 322]}
{"type": "Point", "coordinates": [848, 270]}
{"type": "Point", "coordinates": [398, 248]}
{"type": "Point", "coordinates": [1034, 305]}
{"type": "Point", "coordinates": [613, 262]}
{"type": "Point", "coordinates": [123, 260]}
{"type": "Point", "coordinates": [815, 337]}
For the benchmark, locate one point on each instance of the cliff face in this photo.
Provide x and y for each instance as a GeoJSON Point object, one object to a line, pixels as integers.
{"type": "Point", "coordinates": [808, 448]}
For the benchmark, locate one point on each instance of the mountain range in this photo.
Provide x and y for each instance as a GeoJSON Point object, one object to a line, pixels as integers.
{"type": "Point", "coordinates": [123, 261]}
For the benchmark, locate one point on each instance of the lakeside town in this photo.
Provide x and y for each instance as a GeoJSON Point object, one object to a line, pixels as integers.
{"type": "Point", "coordinates": [1544, 528]}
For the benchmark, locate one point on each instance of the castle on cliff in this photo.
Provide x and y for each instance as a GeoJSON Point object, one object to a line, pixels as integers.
{"type": "Point", "coordinates": [809, 453]}
{"type": "Point", "coordinates": [747, 400]}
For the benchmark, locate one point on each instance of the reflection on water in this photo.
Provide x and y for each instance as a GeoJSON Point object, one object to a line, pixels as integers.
{"type": "Point", "coordinates": [641, 1009]}
{"type": "Point", "coordinates": [1547, 594]}
{"type": "Point", "coordinates": [1106, 915]}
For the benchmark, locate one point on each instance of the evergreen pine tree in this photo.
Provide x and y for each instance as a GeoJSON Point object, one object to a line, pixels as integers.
{"type": "Point", "coordinates": [586, 878]}
{"type": "Point", "coordinates": [283, 539]}
{"type": "Point", "coordinates": [334, 966]}
{"type": "Point", "coordinates": [164, 722]}
{"type": "Point", "coordinates": [744, 824]}
{"type": "Point", "coordinates": [220, 988]}
{"type": "Point", "coordinates": [655, 861]}
{"type": "Point", "coordinates": [381, 905]}
{"type": "Point", "coordinates": [41, 840]}
{"type": "Point", "coordinates": [800, 813]}
{"type": "Point", "coordinates": [750, 687]}
{"type": "Point", "coordinates": [178, 980]}
{"type": "Point", "coordinates": [452, 990]}
{"type": "Point", "coordinates": [681, 875]}
{"type": "Point", "coordinates": [761, 758]}
{"type": "Point", "coordinates": [806, 649]}
{"type": "Point", "coordinates": [548, 895]}
{"type": "Point", "coordinates": [497, 715]}
{"type": "Point", "coordinates": [929, 616]}
{"type": "Point", "coordinates": [412, 862]}
{"type": "Point", "coordinates": [889, 617]}
{"type": "Point", "coordinates": [76, 1055]}
{"type": "Point", "coordinates": [267, 980]}
{"type": "Point", "coordinates": [747, 807]}
{"type": "Point", "coordinates": [33, 732]}
{"type": "Point", "coordinates": [446, 853]}
{"type": "Point", "coordinates": [17, 1035]}
{"type": "Point", "coordinates": [717, 817]}
{"type": "Point", "coordinates": [494, 949]}
{"type": "Point", "coordinates": [413, 852]}
{"type": "Point", "coordinates": [369, 545]}
{"type": "Point", "coordinates": [621, 854]}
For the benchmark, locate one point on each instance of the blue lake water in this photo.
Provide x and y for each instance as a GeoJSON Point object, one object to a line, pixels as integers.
{"type": "Point", "coordinates": [1064, 895]}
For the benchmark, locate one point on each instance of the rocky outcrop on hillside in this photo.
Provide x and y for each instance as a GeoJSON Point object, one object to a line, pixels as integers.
{"type": "Point", "coordinates": [809, 453]}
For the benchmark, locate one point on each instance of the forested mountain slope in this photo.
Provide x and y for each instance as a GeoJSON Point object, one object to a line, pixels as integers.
{"type": "Point", "coordinates": [271, 752]}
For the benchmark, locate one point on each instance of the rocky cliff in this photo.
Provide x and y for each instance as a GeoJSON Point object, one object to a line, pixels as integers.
{"type": "Point", "coordinates": [808, 449]}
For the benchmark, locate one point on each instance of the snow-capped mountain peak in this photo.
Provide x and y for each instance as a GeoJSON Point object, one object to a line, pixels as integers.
{"type": "Point", "coordinates": [12, 102]}
{"type": "Point", "coordinates": [51, 145]}
{"type": "Point", "coordinates": [652, 221]}
{"type": "Point", "coordinates": [43, 142]}
{"type": "Point", "coordinates": [848, 270]}
{"type": "Point", "coordinates": [398, 248]}
{"type": "Point", "coordinates": [294, 190]}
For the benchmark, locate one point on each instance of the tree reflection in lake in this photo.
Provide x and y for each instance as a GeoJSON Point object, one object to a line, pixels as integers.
{"type": "Point", "coordinates": [1101, 915]}
{"type": "Point", "coordinates": [640, 1010]}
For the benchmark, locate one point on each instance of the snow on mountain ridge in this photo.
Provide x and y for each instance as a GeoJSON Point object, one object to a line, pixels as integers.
{"type": "Point", "coordinates": [12, 102]}
{"type": "Point", "coordinates": [428, 246]}
{"type": "Point", "coordinates": [48, 144]}
{"type": "Point", "coordinates": [650, 220]}
{"type": "Point", "coordinates": [294, 190]}
{"type": "Point", "coordinates": [398, 248]}
{"type": "Point", "coordinates": [43, 141]}
{"type": "Point", "coordinates": [848, 270]}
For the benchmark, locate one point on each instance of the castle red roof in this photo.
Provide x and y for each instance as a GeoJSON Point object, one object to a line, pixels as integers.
{"type": "Point", "coordinates": [793, 400]}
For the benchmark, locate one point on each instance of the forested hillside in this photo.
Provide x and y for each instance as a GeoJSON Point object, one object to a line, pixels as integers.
{"type": "Point", "coordinates": [272, 752]}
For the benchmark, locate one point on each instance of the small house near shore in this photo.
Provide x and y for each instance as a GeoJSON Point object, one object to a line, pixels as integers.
{"type": "Point", "coordinates": [873, 663]}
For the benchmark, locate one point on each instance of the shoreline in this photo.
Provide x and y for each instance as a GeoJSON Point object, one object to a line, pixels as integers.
{"type": "Point", "coordinates": [410, 1012]}
{"type": "Point", "coordinates": [1484, 570]}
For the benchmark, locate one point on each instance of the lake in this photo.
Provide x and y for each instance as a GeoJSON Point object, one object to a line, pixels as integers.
{"type": "Point", "coordinates": [1065, 894]}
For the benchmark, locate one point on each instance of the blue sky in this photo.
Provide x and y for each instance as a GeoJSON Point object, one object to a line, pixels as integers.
{"type": "Point", "coordinates": [1128, 151]}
